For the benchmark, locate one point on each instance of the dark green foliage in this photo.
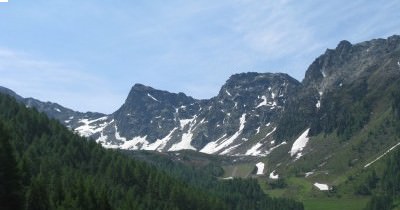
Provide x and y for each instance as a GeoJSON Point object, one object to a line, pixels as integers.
{"type": "Point", "coordinates": [388, 187]}
{"type": "Point", "coordinates": [11, 191]}
{"type": "Point", "coordinates": [37, 196]}
{"type": "Point", "coordinates": [297, 116]}
{"type": "Point", "coordinates": [61, 170]}
{"type": "Point", "coordinates": [380, 202]}
{"type": "Point", "coordinates": [345, 111]}
{"type": "Point", "coordinates": [396, 103]}
{"type": "Point", "coordinates": [278, 184]}
{"type": "Point", "coordinates": [236, 193]}
{"type": "Point", "coordinates": [64, 171]}
{"type": "Point", "coordinates": [368, 185]}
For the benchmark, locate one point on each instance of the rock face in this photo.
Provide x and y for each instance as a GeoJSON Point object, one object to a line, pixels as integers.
{"type": "Point", "coordinates": [238, 121]}
{"type": "Point", "coordinates": [348, 63]}
{"type": "Point", "coordinates": [253, 113]}
{"type": "Point", "coordinates": [338, 77]}
{"type": "Point", "coordinates": [151, 119]}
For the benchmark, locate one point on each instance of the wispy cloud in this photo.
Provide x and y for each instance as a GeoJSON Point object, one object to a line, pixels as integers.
{"type": "Point", "coordinates": [293, 33]}
{"type": "Point", "coordinates": [98, 50]}
{"type": "Point", "coordinates": [57, 82]}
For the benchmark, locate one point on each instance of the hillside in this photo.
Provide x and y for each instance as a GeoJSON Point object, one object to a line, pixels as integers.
{"type": "Point", "coordinates": [332, 137]}
{"type": "Point", "coordinates": [52, 168]}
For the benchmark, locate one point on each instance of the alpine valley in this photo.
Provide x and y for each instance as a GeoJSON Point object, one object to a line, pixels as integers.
{"type": "Point", "coordinates": [329, 141]}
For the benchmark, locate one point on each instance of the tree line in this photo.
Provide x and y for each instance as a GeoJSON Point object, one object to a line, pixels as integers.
{"type": "Point", "coordinates": [45, 166]}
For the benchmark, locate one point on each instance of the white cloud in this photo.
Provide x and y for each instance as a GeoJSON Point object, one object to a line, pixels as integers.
{"type": "Point", "coordinates": [30, 76]}
{"type": "Point", "coordinates": [293, 33]}
{"type": "Point", "coordinates": [188, 46]}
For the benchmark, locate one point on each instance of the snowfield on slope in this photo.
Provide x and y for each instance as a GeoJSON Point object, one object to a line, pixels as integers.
{"type": "Point", "coordinates": [322, 187]}
{"type": "Point", "coordinates": [254, 151]}
{"type": "Point", "coordinates": [216, 146]}
{"type": "Point", "coordinates": [272, 175]}
{"type": "Point", "coordinates": [260, 168]}
{"type": "Point", "coordinates": [299, 144]}
{"type": "Point", "coordinates": [87, 129]}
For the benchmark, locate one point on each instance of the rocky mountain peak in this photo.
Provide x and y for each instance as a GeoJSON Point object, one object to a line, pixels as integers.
{"type": "Point", "coordinates": [393, 41]}
{"type": "Point", "coordinates": [255, 83]}
{"type": "Point", "coordinates": [348, 62]}
{"type": "Point", "coordinates": [251, 115]}
{"type": "Point", "coordinates": [141, 94]}
{"type": "Point", "coordinates": [343, 46]}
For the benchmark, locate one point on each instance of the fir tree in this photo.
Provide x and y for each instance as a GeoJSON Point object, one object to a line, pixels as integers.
{"type": "Point", "coordinates": [10, 180]}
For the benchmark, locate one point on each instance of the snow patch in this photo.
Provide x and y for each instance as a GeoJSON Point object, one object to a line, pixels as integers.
{"type": "Point", "coordinates": [159, 144]}
{"type": "Point", "coordinates": [254, 150]}
{"type": "Point", "coordinates": [57, 109]}
{"type": "Point", "coordinates": [229, 149]}
{"type": "Point", "coordinates": [221, 143]}
{"type": "Point", "coordinates": [87, 129]}
{"type": "Point", "coordinates": [272, 175]}
{"type": "Point", "coordinates": [102, 139]}
{"type": "Point", "coordinates": [152, 97]}
{"type": "Point", "coordinates": [227, 178]}
{"type": "Point", "coordinates": [273, 148]}
{"type": "Point", "coordinates": [268, 134]}
{"type": "Point", "coordinates": [187, 137]}
{"type": "Point", "coordinates": [309, 174]}
{"type": "Point", "coordinates": [299, 144]}
{"type": "Point", "coordinates": [263, 103]}
{"type": "Point", "coordinates": [322, 187]}
{"type": "Point", "coordinates": [258, 130]}
{"type": "Point", "coordinates": [185, 143]}
{"type": "Point", "coordinates": [134, 143]}
{"type": "Point", "coordinates": [260, 168]}
{"type": "Point", "coordinates": [184, 122]}
{"type": "Point", "coordinates": [318, 104]}
{"type": "Point", "coordinates": [382, 155]}
{"type": "Point", "coordinates": [229, 94]}
{"type": "Point", "coordinates": [211, 147]}
{"type": "Point", "coordinates": [117, 135]}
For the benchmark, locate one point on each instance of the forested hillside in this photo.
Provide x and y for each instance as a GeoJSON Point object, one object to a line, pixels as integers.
{"type": "Point", "coordinates": [45, 166]}
{"type": "Point", "coordinates": [386, 188]}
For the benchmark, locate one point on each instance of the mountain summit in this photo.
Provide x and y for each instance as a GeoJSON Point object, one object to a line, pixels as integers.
{"type": "Point", "coordinates": [152, 119]}
{"type": "Point", "coordinates": [253, 113]}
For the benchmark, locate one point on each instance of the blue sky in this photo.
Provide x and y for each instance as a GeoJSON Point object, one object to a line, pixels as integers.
{"type": "Point", "coordinates": [86, 55]}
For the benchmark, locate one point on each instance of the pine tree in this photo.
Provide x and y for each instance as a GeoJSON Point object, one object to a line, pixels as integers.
{"type": "Point", "coordinates": [10, 180]}
{"type": "Point", "coordinates": [37, 198]}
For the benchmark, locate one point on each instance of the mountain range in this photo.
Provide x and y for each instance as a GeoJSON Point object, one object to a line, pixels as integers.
{"type": "Point", "coordinates": [253, 113]}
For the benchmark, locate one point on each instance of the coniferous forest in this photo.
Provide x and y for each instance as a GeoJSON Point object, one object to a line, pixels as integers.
{"type": "Point", "coordinates": [45, 166]}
